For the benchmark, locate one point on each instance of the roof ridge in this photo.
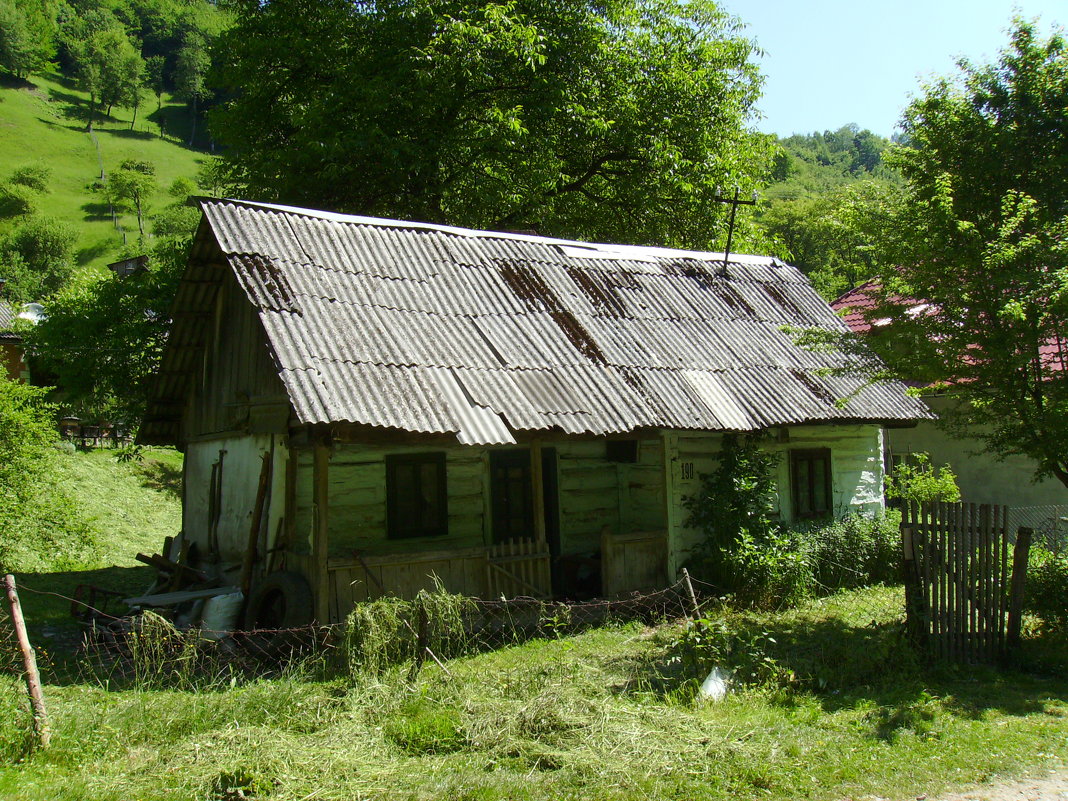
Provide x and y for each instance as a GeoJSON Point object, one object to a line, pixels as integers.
{"type": "Point", "coordinates": [597, 249]}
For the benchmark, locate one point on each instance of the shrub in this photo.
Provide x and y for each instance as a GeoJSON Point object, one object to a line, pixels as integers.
{"type": "Point", "coordinates": [735, 499]}
{"type": "Point", "coordinates": [1047, 587]}
{"type": "Point", "coordinates": [922, 483]}
{"type": "Point", "coordinates": [853, 551]}
{"type": "Point", "coordinates": [771, 572]}
{"type": "Point", "coordinates": [41, 528]}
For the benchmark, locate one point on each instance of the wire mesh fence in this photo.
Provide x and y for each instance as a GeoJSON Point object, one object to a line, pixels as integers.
{"type": "Point", "coordinates": [1049, 524]}
{"type": "Point", "coordinates": [146, 649]}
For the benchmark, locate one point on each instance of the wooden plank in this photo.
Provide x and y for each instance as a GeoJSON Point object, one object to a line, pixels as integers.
{"type": "Point", "coordinates": [170, 598]}
{"type": "Point", "coordinates": [250, 556]}
{"type": "Point", "coordinates": [985, 620]}
{"type": "Point", "coordinates": [928, 590]}
{"type": "Point", "coordinates": [320, 532]}
{"type": "Point", "coordinates": [538, 489]}
{"type": "Point", "coordinates": [1019, 579]}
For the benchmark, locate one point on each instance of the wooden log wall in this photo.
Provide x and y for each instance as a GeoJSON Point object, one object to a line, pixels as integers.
{"type": "Point", "coordinates": [595, 493]}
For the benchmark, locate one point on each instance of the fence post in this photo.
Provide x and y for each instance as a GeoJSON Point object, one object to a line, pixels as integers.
{"type": "Point", "coordinates": [914, 612]}
{"type": "Point", "coordinates": [422, 644]}
{"type": "Point", "coordinates": [692, 594]}
{"type": "Point", "coordinates": [33, 679]}
{"type": "Point", "coordinates": [1019, 582]}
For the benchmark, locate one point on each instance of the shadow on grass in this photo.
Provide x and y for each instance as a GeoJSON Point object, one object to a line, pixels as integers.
{"type": "Point", "coordinates": [174, 120]}
{"type": "Point", "coordinates": [161, 476]}
{"type": "Point", "coordinates": [845, 666]}
{"type": "Point", "coordinates": [126, 133]}
{"type": "Point", "coordinates": [46, 603]}
{"type": "Point", "coordinates": [96, 211]}
{"type": "Point", "coordinates": [11, 82]}
{"type": "Point", "coordinates": [71, 107]}
{"type": "Point", "coordinates": [93, 252]}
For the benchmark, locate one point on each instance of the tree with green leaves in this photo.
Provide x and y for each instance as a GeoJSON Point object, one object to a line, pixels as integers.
{"type": "Point", "coordinates": [831, 236]}
{"type": "Point", "coordinates": [109, 69]}
{"type": "Point", "coordinates": [36, 256]}
{"type": "Point", "coordinates": [611, 120]}
{"type": "Point", "coordinates": [129, 188]}
{"type": "Point", "coordinates": [103, 336]}
{"type": "Point", "coordinates": [190, 76]}
{"type": "Point", "coordinates": [155, 78]}
{"type": "Point", "coordinates": [975, 248]}
{"type": "Point", "coordinates": [27, 37]}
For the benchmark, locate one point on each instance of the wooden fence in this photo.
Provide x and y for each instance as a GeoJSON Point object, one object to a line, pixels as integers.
{"type": "Point", "coordinates": [964, 590]}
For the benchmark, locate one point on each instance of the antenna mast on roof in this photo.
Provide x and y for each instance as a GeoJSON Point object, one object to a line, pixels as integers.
{"type": "Point", "coordinates": [734, 203]}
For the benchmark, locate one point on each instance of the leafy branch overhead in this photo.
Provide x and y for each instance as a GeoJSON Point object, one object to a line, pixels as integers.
{"type": "Point", "coordinates": [612, 121]}
{"type": "Point", "coordinates": [973, 283]}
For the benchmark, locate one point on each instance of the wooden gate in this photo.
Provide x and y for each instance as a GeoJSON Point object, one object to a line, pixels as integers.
{"type": "Point", "coordinates": [964, 594]}
{"type": "Point", "coordinates": [518, 567]}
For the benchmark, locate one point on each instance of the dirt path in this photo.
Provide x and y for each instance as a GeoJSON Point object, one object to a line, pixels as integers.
{"type": "Point", "coordinates": [1050, 786]}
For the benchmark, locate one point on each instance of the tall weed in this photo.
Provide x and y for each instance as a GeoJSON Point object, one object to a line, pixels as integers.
{"type": "Point", "coordinates": [853, 551]}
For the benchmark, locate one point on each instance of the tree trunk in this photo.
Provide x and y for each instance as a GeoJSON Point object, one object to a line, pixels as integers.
{"type": "Point", "coordinates": [193, 127]}
{"type": "Point", "coordinates": [140, 217]}
{"type": "Point", "coordinates": [1060, 474]}
{"type": "Point", "coordinates": [92, 111]}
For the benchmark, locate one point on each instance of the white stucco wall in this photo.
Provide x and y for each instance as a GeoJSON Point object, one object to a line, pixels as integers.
{"type": "Point", "coordinates": [856, 471]}
{"type": "Point", "coordinates": [981, 477]}
{"type": "Point", "coordinates": [240, 478]}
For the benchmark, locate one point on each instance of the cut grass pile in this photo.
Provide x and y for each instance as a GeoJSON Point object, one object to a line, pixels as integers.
{"type": "Point", "coordinates": [608, 714]}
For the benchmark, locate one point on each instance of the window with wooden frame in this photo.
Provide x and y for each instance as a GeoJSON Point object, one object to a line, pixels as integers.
{"type": "Point", "coordinates": [416, 496]}
{"type": "Point", "coordinates": [810, 482]}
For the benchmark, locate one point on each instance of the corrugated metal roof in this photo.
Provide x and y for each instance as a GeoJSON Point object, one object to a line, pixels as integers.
{"type": "Point", "coordinates": [8, 314]}
{"type": "Point", "coordinates": [435, 329]}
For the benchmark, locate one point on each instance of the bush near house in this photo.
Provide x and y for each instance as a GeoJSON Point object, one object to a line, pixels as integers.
{"type": "Point", "coordinates": [1047, 587]}
{"type": "Point", "coordinates": [41, 527]}
{"type": "Point", "coordinates": [763, 564]}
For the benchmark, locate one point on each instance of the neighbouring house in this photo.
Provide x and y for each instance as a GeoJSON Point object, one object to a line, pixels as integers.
{"type": "Point", "coordinates": [12, 354]}
{"type": "Point", "coordinates": [512, 414]}
{"type": "Point", "coordinates": [982, 478]}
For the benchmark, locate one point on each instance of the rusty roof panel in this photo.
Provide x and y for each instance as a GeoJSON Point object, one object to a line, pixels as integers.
{"type": "Point", "coordinates": [441, 330]}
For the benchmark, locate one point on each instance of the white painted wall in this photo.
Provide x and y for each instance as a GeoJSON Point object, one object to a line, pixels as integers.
{"type": "Point", "coordinates": [856, 472]}
{"type": "Point", "coordinates": [240, 478]}
{"type": "Point", "coordinates": [982, 478]}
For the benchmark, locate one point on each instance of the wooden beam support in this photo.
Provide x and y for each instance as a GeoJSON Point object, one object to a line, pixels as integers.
{"type": "Point", "coordinates": [537, 479]}
{"type": "Point", "coordinates": [320, 546]}
{"type": "Point", "coordinates": [669, 451]}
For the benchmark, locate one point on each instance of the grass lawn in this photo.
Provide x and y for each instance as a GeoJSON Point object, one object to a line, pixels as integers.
{"type": "Point", "coordinates": [835, 705]}
{"type": "Point", "coordinates": [44, 122]}
{"type": "Point", "coordinates": [607, 714]}
{"type": "Point", "coordinates": [132, 506]}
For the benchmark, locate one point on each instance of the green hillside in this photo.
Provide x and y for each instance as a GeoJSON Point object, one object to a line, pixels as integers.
{"type": "Point", "coordinates": [130, 506]}
{"type": "Point", "coordinates": [43, 122]}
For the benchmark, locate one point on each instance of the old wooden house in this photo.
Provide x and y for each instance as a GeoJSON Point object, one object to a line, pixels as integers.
{"type": "Point", "coordinates": [512, 414]}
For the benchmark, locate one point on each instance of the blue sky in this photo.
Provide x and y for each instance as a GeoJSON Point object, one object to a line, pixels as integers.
{"type": "Point", "coordinates": [833, 62]}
